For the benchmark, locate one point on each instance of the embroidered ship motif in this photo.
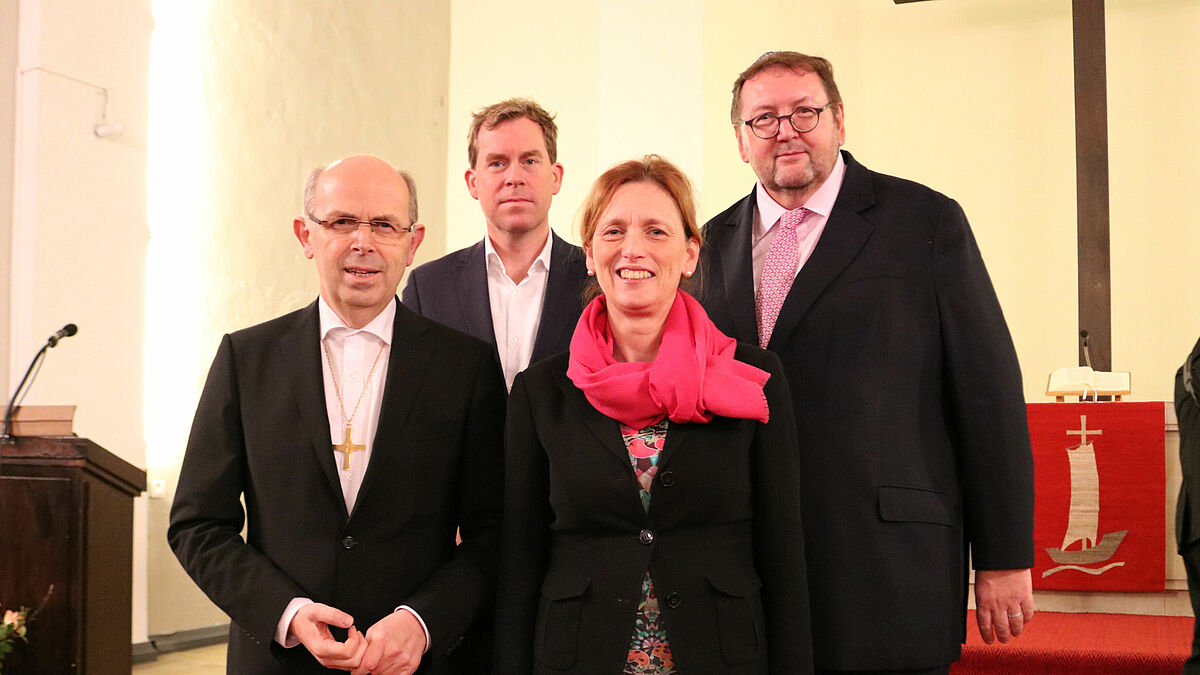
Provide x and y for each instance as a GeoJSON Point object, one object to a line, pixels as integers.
{"type": "Point", "coordinates": [1083, 519]}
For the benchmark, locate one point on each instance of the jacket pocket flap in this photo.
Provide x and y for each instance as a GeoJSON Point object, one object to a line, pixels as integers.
{"type": "Point", "coordinates": [736, 586]}
{"type": "Point", "coordinates": [564, 585]}
{"type": "Point", "coordinates": [914, 505]}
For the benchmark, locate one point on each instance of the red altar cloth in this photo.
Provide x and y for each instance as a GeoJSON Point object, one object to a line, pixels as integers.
{"type": "Point", "coordinates": [1099, 482]}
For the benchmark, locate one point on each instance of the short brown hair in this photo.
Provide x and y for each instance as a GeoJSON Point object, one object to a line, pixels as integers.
{"type": "Point", "coordinates": [514, 108]}
{"type": "Point", "coordinates": [795, 61]}
{"type": "Point", "coordinates": [651, 169]}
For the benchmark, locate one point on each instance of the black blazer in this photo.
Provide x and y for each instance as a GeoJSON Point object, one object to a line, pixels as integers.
{"type": "Point", "coordinates": [909, 411]}
{"type": "Point", "coordinates": [722, 541]}
{"type": "Point", "coordinates": [261, 431]}
{"type": "Point", "coordinates": [453, 290]}
{"type": "Point", "coordinates": [1187, 411]}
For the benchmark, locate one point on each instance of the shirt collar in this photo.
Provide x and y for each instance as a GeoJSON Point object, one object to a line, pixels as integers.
{"type": "Point", "coordinates": [380, 326]}
{"type": "Point", "coordinates": [821, 202]}
{"type": "Point", "coordinates": [493, 260]}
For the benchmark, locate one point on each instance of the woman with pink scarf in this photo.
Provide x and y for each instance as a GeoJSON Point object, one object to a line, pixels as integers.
{"type": "Point", "coordinates": [652, 481]}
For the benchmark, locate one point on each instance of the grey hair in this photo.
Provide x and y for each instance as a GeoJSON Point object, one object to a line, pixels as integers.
{"type": "Point", "coordinates": [310, 192]}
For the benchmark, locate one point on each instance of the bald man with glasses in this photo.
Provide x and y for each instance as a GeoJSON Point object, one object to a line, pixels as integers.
{"type": "Point", "coordinates": [360, 436]}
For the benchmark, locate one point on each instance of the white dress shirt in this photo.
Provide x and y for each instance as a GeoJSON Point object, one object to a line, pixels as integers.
{"type": "Point", "coordinates": [351, 355]}
{"type": "Point", "coordinates": [516, 308]}
{"type": "Point", "coordinates": [767, 213]}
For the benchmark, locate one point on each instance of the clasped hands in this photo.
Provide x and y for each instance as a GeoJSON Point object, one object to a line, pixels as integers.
{"type": "Point", "coordinates": [393, 646]}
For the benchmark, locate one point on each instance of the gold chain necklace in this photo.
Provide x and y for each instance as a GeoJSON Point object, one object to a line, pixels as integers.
{"type": "Point", "coordinates": [348, 446]}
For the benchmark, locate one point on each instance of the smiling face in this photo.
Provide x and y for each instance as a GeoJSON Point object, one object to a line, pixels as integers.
{"type": "Point", "coordinates": [640, 249]}
{"type": "Point", "coordinates": [513, 177]}
{"type": "Point", "coordinates": [359, 272]}
{"type": "Point", "coordinates": [791, 166]}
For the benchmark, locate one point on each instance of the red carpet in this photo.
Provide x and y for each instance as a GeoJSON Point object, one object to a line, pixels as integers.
{"type": "Point", "coordinates": [1058, 643]}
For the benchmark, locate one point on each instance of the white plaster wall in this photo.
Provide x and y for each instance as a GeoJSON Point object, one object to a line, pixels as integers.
{"type": "Point", "coordinates": [79, 227]}
{"type": "Point", "coordinates": [8, 90]}
{"type": "Point", "coordinates": [253, 97]}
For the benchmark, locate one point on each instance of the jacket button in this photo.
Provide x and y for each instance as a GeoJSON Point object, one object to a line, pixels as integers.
{"type": "Point", "coordinates": [673, 600]}
{"type": "Point", "coordinates": [646, 537]}
{"type": "Point", "coordinates": [349, 542]}
{"type": "Point", "coordinates": [667, 478]}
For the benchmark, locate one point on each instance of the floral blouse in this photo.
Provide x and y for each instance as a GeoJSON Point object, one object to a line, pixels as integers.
{"type": "Point", "coordinates": [649, 650]}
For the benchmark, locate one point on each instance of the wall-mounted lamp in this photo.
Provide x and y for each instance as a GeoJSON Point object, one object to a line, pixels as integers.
{"type": "Point", "coordinates": [102, 128]}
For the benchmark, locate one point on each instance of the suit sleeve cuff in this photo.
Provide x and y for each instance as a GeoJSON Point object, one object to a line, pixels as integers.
{"type": "Point", "coordinates": [421, 621]}
{"type": "Point", "coordinates": [282, 633]}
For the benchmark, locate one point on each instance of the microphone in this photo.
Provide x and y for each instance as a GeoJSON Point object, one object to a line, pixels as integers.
{"type": "Point", "coordinates": [64, 332]}
{"type": "Point", "coordinates": [1087, 352]}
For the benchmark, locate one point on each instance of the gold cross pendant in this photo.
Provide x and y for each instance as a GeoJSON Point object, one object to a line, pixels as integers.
{"type": "Point", "coordinates": [346, 447]}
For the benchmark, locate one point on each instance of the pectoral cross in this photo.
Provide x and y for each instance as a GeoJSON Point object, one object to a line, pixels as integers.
{"type": "Point", "coordinates": [346, 447]}
{"type": "Point", "coordinates": [1082, 432]}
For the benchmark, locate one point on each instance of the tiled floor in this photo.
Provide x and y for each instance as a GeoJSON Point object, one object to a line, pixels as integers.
{"type": "Point", "coordinates": [203, 661]}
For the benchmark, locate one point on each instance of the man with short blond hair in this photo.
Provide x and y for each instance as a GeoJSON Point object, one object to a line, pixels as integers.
{"type": "Point", "coordinates": [520, 288]}
{"type": "Point", "coordinates": [909, 405]}
{"type": "Point", "coordinates": [360, 436]}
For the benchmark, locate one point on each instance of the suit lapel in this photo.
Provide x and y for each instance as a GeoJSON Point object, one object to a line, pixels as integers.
{"type": "Point", "coordinates": [308, 386]}
{"type": "Point", "coordinates": [408, 362]}
{"type": "Point", "coordinates": [562, 303]}
{"type": "Point", "coordinates": [845, 234]}
{"type": "Point", "coordinates": [472, 291]}
{"type": "Point", "coordinates": [737, 269]}
{"type": "Point", "coordinates": [604, 428]}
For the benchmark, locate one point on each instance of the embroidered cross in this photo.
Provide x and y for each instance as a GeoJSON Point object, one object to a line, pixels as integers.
{"type": "Point", "coordinates": [1082, 432]}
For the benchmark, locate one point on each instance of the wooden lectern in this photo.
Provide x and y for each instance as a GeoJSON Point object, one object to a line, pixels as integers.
{"type": "Point", "coordinates": [66, 518]}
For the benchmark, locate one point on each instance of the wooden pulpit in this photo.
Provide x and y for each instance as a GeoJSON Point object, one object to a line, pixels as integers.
{"type": "Point", "coordinates": [66, 519]}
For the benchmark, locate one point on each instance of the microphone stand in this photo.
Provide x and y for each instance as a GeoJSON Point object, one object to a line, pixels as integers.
{"type": "Point", "coordinates": [6, 437]}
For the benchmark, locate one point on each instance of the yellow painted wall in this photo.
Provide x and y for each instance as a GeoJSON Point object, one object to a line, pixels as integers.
{"type": "Point", "coordinates": [971, 98]}
{"type": "Point", "coordinates": [249, 97]}
{"type": "Point", "coordinates": [623, 78]}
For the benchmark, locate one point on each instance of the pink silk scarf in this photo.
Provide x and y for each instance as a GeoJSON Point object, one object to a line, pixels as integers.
{"type": "Point", "coordinates": [693, 377]}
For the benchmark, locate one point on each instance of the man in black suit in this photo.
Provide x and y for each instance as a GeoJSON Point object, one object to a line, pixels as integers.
{"type": "Point", "coordinates": [908, 396]}
{"type": "Point", "coordinates": [521, 287]}
{"type": "Point", "coordinates": [1187, 512]}
{"type": "Point", "coordinates": [360, 436]}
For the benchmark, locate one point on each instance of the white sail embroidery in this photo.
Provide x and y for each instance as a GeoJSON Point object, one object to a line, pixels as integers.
{"type": "Point", "coordinates": [1083, 519]}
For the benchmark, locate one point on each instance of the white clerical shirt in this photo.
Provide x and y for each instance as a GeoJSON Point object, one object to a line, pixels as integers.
{"type": "Point", "coordinates": [768, 212]}
{"type": "Point", "coordinates": [516, 308]}
{"type": "Point", "coordinates": [358, 358]}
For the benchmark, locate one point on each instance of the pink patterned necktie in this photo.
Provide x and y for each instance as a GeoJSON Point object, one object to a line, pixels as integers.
{"type": "Point", "coordinates": [778, 272]}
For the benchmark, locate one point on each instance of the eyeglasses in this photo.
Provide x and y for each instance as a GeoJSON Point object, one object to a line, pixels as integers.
{"type": "Point", "coordinates": [345, 225]}
{"type": "Point", "coordinates": [802, 119]}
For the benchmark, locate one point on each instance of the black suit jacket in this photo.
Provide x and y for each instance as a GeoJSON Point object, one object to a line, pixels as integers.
{"type": "Point", "coordinates": [261, 432]}
{"type": "Point", "coordinates": [1187, 411]}
{"type": "Point", "coordinates": [453, 290]}
{"type": "Point", "coordinates": [722, 541]}
{"type": "Point", "coordinates": [909, 410]}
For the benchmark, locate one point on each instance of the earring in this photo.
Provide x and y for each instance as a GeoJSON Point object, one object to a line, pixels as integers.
{"type": "Point", "coordinates": [687, 274]}
{"type": "Point", "coordinates": [591, 273]}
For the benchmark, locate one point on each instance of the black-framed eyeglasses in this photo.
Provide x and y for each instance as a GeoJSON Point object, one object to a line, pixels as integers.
{"type": "Point", "coordinates": [346, 225]}
{"type": "Point", "coordinates": [802, 119]}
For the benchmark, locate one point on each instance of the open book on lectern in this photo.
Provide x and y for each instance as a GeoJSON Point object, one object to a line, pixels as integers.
{"type": "Point", "coordinates": [1083, 381]}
